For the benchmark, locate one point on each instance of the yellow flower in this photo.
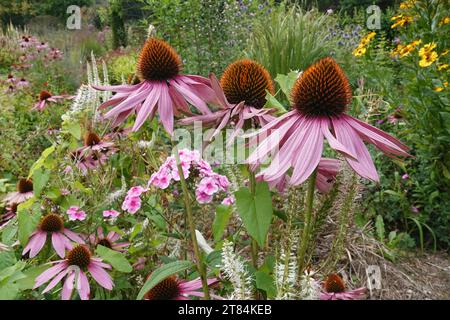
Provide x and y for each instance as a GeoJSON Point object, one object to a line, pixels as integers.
{"type": "Point", "coordinates": [445, 52]}
{"type": "Point", "coordinates": [444, 20]}
{"type": "Point", "coordinates": [367, 38]}
{"type": "Point", "coordinates": [415, 43]}
{"type": "Point", "coordinates": [407, 4]}
{"type": "Point", "coordinates": [442, 66]}
{"type": "Point", "coordinates": [401, 20]}
{"type": "Point", "coordinates": [438, 89]}
{"type": "Point", "coordinates": [359, 51]}
{"type": "Point", "coordinates": [428, 58]}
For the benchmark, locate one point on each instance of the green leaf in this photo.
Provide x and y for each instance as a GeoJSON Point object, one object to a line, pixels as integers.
{"type": "Point", "coordinates": [27, 224]}
{"type": "Point", "coordinates": [40, 162]}
{"type": "Point", "coordinates": [27, 283]}
{"type": "Point", "coordinates": [265, 282]}
{"type": "Point", "coordinates": [117, 259]}
{"type": "Point", "coordinates": [136, 229]}
{"type": "Point", "coordinates": [73, 128]}
{"type": "Point", "coordinates": [162, 273]}
{"type": "Point", "coordinates": [286, 82]}
{"type": "Point", "coordinates": [255, 211]}
{"type": "Point", "coordinates": [223, 214]}
{"type": "Point", "coordinates": [379, 227]}
{"type": "Point", "coordinates": [40, 179]}
{"type": "Point", "coordinates": [272, 102]}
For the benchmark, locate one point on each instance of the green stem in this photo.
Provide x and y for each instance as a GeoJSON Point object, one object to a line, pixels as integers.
{"type": "Point", "coordinates": [190, 220]}
{"type": "Point", "coordinates": [305, 237]}
{"type": "Point", "coordinates": [254, 244]}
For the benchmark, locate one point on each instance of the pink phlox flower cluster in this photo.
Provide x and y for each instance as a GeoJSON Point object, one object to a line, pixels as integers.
{"type": "Point", "coordinates": [132, 202]}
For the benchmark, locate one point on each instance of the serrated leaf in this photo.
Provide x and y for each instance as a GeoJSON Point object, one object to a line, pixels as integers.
{"type": "Point", "coordinates": [286, 82]}
{"type": "Point", "coordinates": [223, 214]}
{"type": "Point", "coordinates": [117, 259]}
{"type": "Point", "coordinates": [255, 211]}
{"type": "Point", "coordinates": [162, 273]}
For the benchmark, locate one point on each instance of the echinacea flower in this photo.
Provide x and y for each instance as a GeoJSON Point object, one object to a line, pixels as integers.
{"type": "Point", "coordinates": [162, 88]}
{"type": "Point", "coordinates": [172, 288]}
{"type": "Point", "coordinates": [241, 100]}
{"type": "Point", "coordinates": [23, 193]}
{"type": "Point", "coordinates": [53, 225]}
{"type": "Point", "coordinates": [10, 213]}
{"type": "Point", "coordinates": [27, 41]}
{"type": "Point", "coordinates": [320, 98]}
{"type": "Point", "coordinates": [45, 97]}
{"type": "Point", "coordinates": [334, 289]}
{"type": "Point", "coordinates": [74, 267]}
{"type": "Point", "coordinates": [108, 241]}
{"type": "Point", "coordinates": [22, 83]}
{"type": "Point", "coordinates": [93, 143]}
{"type": "Point", "coordinates": [81, 161]}
{"type": "Point", "coordinates": [10, 79]}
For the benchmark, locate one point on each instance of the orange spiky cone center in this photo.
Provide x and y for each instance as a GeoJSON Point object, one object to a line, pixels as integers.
{"type": "Point", "coordinates": [158, 61]}
{"type": "Point", "coordinates": [91, 139]}
{"type": "Point", "coordinates": [167, 289]}
{"type": "Point", "coordinates": [44, 95]}
{"type": "Point", "coordinates": [51, 223]}
{"type": "Point", "coordinates": [246, 80]}
{"type": "Point", "coordinates": [322, 90]}
{"type": "Point", "coordinates": [79, 256]}
{"type": "Point", "coordinates": [334, 284]}
{"type": "Point", "coordinates": [25, 185]}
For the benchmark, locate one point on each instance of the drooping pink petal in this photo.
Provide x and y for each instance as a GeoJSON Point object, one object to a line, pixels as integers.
{"type": "Point", "coordinates": [129, 103]}
{"type": "Point", "coordinates": [308, 154]}
{"type": "Point", "coordinates": [351, 140]}
{"type": "Point", "coordinates": [101, 276]}
{"type": "Point", "coordinates": [48, 274]}
{"type": "Point", "coordinates": [83, 286]}
{"type": "Point", "coordinates": [218, 90]}
{"type": "Point", "coordinates": [67, 289]}
{"type": "Point", "coordinates": [38, 244]}
{"type": "Point", "coordinates": [73, 236]}
{"type": "Point", "coordinates": [193, 99]}
{"type": "Point", "coordinates": [147, 107]}
{"type": "Point", "coordinates": [58, 244]}
{"type": "Point", "coordinates": [119, 88]}
{"type": "Point", "coordinates": [333, 142]}
{"type": "Point", "coordinates": [165, 110]}
{"type": "Point", "coordinates": [55, 281]}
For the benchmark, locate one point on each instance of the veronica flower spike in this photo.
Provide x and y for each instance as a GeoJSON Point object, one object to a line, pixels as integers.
{"type": "Point", "coordinates": [162, 88]}
{"type": "Point", "coordinates": [242, 98]}
{"type": "Point", "coordinates": [319, 100]}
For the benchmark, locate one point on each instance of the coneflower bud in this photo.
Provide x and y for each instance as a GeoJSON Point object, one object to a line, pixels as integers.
{"type": "Point", "coordinates": [322, 90]}
{"type": "Point", "coordinates": [246, 80]}
{"type": "Point", "coordinates": [158, 61]}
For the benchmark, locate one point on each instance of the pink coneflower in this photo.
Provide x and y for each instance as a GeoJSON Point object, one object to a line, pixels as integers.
{"type": "Point", "coordinates": [22, 83]}
{"type": "Point", "coordinates": [10, 79]}
{"type": "Point", "coordinates": [109, 241]}
{"type": "Point", "coordinates": [334, 289]}
{"type": "Point", "coordinates": [245, 83]}
{"type": "Point", "coordinates": [51, 224]}
{"type": "Point", "coordinates": [10, 213]}
{"type": "Point", "coordinates": [94, 144]}
{"type": "Point", "coordinates": [74, 268]}
{"type": "Point", "coordinates": [81, 161]}
{"type": "Point", "coordinates": [44, 98]}
{"type": "Point", "coordinates": [320, 98]}
{"type": "Point", "coordinates": [23, 193]}
{"type": "Point", "coordinates": [27, 41]}
{"type": "Point", "coordinates": [41, 46]}
{"type": "Point", "coordinates": [172, 288]}
{"type": "Point", "coordinates": [162, 88]}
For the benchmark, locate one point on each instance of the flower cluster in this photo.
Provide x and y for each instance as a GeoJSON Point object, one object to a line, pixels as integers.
{"type": "Point", "coordinates": [362, 47]}
{"type": "Point", "coordinates": [427, 55]}
{"type": "Point", "coordinates": [404, 50]}
{"type": "Point", "coordinates": [132, 202]}
{"type": "Point", "coordinates": [209, 182]}
{"type": "Point", "coordinates": [75, 213]}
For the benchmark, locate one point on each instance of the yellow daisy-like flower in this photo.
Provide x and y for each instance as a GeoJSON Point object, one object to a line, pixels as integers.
{"type": "Point", "coordinates": [405, 50]}
{"type": "Point", "coordinates": [444, 20]}
{"type": "Point", "coordinates": [359, 51]}
{"type": "Point", "coordinates": [415, 43]}
{"type": "Point", "coordinates": [428, 58]}
{"type": "Point", "coordinates": [401, 20]}
{"type": "Point", "coordinates": [445, 52]}
{"type": "Point", "coordinates": [438, 89]}
{"type": "Point", "coordinates": [442, 66]}
{"type": "Point", "coordinates": [427, 48]}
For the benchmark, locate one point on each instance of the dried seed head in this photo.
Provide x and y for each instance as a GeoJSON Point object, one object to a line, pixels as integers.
{"type": "Point", "coordinates": [165, 290]}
